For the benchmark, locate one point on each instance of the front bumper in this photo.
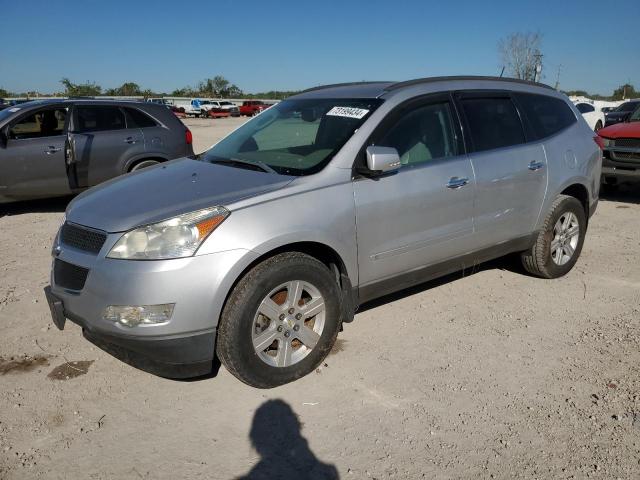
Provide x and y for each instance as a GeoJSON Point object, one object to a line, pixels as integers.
{"type": "Point", "coordinates": [196, 285]}
{"type": "Point", "coordinates": [179, 357]}
{"type": "Point", "coordinates": [621, 162]}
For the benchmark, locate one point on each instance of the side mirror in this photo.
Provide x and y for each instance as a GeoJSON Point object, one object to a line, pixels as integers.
{"type": "Point", "coordinates": [382, 159]}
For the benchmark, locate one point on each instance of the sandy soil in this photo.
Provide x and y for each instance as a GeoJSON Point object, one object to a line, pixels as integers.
{"type": "Point", "coordinates": [486, 374]}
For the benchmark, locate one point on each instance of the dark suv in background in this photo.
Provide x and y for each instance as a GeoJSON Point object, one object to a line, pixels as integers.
{"type": "Point", "coordinates": [621, 113]}
{"type": "Point", "coordinates": [58, 147]}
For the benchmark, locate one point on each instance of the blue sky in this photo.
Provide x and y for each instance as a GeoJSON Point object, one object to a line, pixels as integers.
{"type": "Point", "coordinates": [264, 45]}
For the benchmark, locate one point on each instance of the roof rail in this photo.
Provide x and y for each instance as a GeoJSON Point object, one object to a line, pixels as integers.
{"type": "Point", "coordinates": [348, 84]}
{"type": "Point", "coordinates": [418, 81]}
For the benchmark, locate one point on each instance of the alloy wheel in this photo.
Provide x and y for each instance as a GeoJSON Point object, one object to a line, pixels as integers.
{"type": "Point", "coordinates": [288, 323]}
{"type": "Point", "coordinates": [566, 233]}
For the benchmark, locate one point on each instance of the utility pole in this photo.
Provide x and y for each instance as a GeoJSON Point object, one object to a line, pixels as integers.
{"type": "Point", "coordinates": [558, 77]}
{"type": "Point", "coordinates": [538, 72]}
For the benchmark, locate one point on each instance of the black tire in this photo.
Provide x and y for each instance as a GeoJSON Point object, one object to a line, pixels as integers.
{"type": "Point", "coordinates": [538, 260]}
{"type": "Point", "coordinates": [598, 126]}
{"type": "Point", "coordinates": [234, 345]}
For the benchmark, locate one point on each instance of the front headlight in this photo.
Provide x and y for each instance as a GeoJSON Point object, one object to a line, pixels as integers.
{"type": "Point", "coordinates": [606, 142]}
{"type": "Point", "coordinates": [173, 238]}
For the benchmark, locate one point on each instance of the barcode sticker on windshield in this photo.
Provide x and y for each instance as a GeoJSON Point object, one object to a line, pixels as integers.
{"type": "Point", "coordinates": [349, 112]}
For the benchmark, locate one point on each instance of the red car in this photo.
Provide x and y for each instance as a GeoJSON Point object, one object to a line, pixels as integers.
{"type": "Point", "coordinates": [621, 150]}
{"type": "Point", "coordinates": [253, 107]}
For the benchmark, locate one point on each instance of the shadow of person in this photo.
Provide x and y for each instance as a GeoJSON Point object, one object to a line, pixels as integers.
{"type": "Point", "coordinates": [275, 434]}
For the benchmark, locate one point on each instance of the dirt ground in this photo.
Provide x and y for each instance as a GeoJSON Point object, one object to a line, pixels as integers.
{"type": "Point", "coordinates": [484, 374]}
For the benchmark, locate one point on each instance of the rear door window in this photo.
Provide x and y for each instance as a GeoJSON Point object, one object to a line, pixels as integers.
{"type": "Point", "coordinates": [493, 123]}
{"type": "Point", "coordinates": [99, 118]}
{"type": "Point", "coordinates": [48, 122]}
{"type": "Point", "coordinates": [138, 119]}
{"type": "Point", "coordinates": [546, 115]}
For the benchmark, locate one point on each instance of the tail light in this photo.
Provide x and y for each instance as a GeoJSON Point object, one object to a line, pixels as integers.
{"type": "Point", "coordinates": [188, 137]}
{"type": "Point", "coordinates": [600, 141]}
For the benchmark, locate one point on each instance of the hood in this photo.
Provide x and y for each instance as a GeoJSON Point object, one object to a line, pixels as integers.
{"type": "Point", "coordinates": [167, 190]}
{"type": "Point", "coordinates": [621, 130]}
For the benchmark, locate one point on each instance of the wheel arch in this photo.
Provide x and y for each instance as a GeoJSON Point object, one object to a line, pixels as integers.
{"type": "Point", "coordinates": [579, 192]}
{"type": "Point", "coordinates": [320, 251]}
{"type": "Point", "coordinates": [132, 162]}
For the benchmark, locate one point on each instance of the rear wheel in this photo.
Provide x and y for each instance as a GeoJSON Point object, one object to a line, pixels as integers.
{"type": "Point", "coordinates": [143, 164]}
{"type": "Point", "coordinates": [280, 321]}
{"type": "Point", "coordinates": [598, 126]}
{"type": "Point", "coordinates": [560, 240]}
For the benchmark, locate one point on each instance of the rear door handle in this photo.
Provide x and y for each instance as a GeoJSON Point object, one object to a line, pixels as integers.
{"type": "Point", "coordinates": [130, 140]}
{"type": "Point", "coordinates": [51, 150]}
{"type": "Point", "coordinates": [455, 182]}
{"type": "Point", "coordinates": [533, 166]}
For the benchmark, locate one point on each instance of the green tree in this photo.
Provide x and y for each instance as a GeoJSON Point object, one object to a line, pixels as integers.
{"type": "Point", "coordinates": [80, 89]}
{"type": "Point", "coordinates": [183, 92]}
{"type": "Point", "coordinates": [625, 91]}
{"type": "Point", "coordinates": [4, 93]}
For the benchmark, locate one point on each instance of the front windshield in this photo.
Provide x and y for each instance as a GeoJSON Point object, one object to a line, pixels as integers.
{"type": "Point", "coordinates": [294, 137]}
{"type": "Point", "coordinates": [635, 116]}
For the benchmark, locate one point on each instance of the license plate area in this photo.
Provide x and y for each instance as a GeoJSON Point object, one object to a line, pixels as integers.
{"type": "Point", "coordinates": [56, 307]}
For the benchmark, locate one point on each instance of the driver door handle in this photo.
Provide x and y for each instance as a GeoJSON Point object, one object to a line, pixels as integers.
{"type": "Point", "coordinates": [131, 140]}
{"type": "Point", "coordinates": [51, 150]}
{"type": "Point", "coordinates": [533, 166]}
{"type": "Point", "coordinates": [455, 182]}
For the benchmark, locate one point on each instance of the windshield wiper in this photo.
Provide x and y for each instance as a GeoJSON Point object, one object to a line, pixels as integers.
{"type": "Point", "coordinates": [244, 163]}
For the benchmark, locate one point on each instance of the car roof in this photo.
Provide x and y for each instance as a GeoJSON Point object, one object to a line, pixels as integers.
{"type": "Point", "coordinates": [379, 89]}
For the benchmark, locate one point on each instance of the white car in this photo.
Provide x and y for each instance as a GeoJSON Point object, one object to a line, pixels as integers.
{"type": "Point", "coordinates": [593, 116]}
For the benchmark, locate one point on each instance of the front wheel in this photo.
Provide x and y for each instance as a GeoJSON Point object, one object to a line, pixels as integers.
{"type": "Point", "coordinates": [280, 321]}
{"type": "Point", "coordinates": [559, 242]}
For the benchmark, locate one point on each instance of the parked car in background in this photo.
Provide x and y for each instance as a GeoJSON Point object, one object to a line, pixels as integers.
{"type": "Point", "coordinates": [3, 104]}
{"type": "Point", "coordinates": [194, 107]}
{"type": "Point", "coordinates": [259, 251]}
{"type": "Point", "coordinates": [607, 109]}
{"type": "Point", "coordinates": [58, 147]}
{"type": "Point", "coordinates": [592, 115]}
{"type": "Point", "coordinates": [250, 108]}
{"type": "Point", "coordinates": [621, 144]}
{"type": "Point", "coordinates": [225, 105]}
{"type": "Point", "coordinates": [160, 101]}
{"type": "Point", "coordinates": [621, 113]}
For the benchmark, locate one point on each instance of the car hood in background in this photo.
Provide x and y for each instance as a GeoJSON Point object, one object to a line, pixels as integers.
{"type": "Point", "coordinates": [621, 130]}
{"type": "Point", "coordinates": [167, 190]}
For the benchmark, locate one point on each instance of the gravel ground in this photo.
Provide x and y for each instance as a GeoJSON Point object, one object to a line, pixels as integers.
{"type": "Point", "coordinates": [484, 374]}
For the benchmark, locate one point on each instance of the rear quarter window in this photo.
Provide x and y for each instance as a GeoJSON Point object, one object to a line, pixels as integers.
{"type": "Point", "coordinates": [138, 119]}
{"type": "Point", "coordinates": [547, 115]}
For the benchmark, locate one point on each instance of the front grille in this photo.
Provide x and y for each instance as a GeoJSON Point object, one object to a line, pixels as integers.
{"type": "Point", "coordinates": [67, 275]}
{"type": "Point", "coordinates": [82, 238]}
{"type": "Point", "coordinates": [626, 156]}
{"type": "Point", "coordinates": [627, 142]}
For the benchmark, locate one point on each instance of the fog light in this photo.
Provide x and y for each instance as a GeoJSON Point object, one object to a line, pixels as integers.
{"type": "Point", "coordinates": [133, 315]}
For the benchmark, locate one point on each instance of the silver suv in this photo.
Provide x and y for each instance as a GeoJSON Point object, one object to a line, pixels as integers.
{"type": "Point", "coordinates": [259, 250]}
{"type": "Point", "coordinates": [59, 147]}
